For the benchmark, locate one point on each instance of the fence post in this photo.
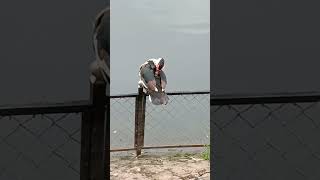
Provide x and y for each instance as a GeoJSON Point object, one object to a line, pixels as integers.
{"type": "Point", "coordinates": [85, 145]}
{"type": "Point", "coordinates": [94, 144]}
{"type": "Point", "coordinates": [139, 121]}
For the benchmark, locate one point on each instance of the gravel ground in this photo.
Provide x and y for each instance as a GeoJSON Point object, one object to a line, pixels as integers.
{"type": "Point", "coordinates": [166, 167]}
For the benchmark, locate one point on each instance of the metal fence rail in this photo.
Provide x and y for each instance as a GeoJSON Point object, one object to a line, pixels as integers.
{"type": "Point", "coordinates": [184, 122]}
{"type": "Point", "coordinates": [266, 137]}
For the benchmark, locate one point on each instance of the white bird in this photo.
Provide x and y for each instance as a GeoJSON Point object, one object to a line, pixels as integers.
{"type": "Point", "coordinates": [100, 68]}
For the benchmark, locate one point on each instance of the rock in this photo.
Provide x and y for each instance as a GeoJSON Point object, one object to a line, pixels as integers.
{"type": "Point", "coordinates": [202, 172]}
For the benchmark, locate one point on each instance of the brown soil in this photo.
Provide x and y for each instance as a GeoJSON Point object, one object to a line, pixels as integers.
{"type": "Point", "coordinates": [153, 167]}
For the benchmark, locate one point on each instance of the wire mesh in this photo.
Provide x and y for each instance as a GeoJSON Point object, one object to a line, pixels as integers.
{"type": "Point", "coordinates": [43, 146]}
{"type": "Point", "coordinates": [183, 121]}
{"type": "Point", "coordinates": [122, 118]}
{"type": "Point", "coordinates": [266, 141]}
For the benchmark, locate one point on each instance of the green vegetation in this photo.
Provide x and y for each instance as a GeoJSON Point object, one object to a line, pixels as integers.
{"type": "Point", "coordinates": [206, 153]}
{"type": "Point", "coordinates": [181, 155]}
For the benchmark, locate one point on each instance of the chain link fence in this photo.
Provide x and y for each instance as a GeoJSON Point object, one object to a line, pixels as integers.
{"type": "Point", "coordinates": [183, 121]}
{"type": "Point", "coordinates": [266, 140]}
{"type": "Point", "coordinates": [56, 141]}
{"type": "Point", "coordinates": [42, 146]}
{"type": "Point", "coordinates": [122, 114]}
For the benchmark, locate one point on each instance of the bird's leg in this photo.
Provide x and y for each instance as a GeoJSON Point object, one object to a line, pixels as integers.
{"type": "Point", "coordinates": [163, 85]}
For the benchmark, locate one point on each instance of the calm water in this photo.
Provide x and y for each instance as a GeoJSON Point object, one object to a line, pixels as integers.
{"type": "Point", "coordinates": [177, 30]}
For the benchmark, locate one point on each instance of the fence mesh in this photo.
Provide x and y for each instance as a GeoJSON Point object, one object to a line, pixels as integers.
{"type": "Point", "coordinates": [43, 146]}
{"type": "Point", "coordinates": [122, 120]}
{"type": "Point", "coordinates": [183, 121]}
{"type": "Point", "coordinates": [266, 141]}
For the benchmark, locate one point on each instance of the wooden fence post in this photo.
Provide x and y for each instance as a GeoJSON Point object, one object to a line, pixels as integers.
{"type": "Point", "coordinates": [94, 142]}
{"type": "Point", "coordinates": [139, 121]}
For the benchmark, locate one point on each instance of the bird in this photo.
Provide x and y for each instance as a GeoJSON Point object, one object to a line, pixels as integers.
{"type": "Point", "coordinates": [100, 67]}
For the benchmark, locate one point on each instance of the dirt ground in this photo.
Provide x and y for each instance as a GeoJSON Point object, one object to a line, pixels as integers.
{"type": "Point", "coordinates": [164, 167]}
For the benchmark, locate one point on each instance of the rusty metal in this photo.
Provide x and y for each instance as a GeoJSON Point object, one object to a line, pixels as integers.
{"type": "Point", "coordinates": [174, 146]}
{"type": "Point", "coordinates": [168, 93]}
{"type": "Point", "coordinates": [122, 149]}
{"type": "Point", "coordinates": [159, 147]}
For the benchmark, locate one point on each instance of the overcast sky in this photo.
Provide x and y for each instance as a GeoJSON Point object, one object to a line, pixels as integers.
{"type": "Point", "coordinates": [177, 30]}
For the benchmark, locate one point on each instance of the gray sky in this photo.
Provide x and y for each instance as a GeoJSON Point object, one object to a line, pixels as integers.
{"type": "Point", "coordinates": [177, 30]}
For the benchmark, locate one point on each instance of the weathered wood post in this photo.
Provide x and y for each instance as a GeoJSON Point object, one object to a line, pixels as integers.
{"type": "Point", "coordinates": [85, 145]}
{"type": "Point", "coordinates": [94, 142]}
{"type": "Point", "coordinates": [139, 121]}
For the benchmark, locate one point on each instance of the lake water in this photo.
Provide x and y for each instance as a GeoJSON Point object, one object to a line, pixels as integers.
{"type": "Point", "coordinates": [177, 30]}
